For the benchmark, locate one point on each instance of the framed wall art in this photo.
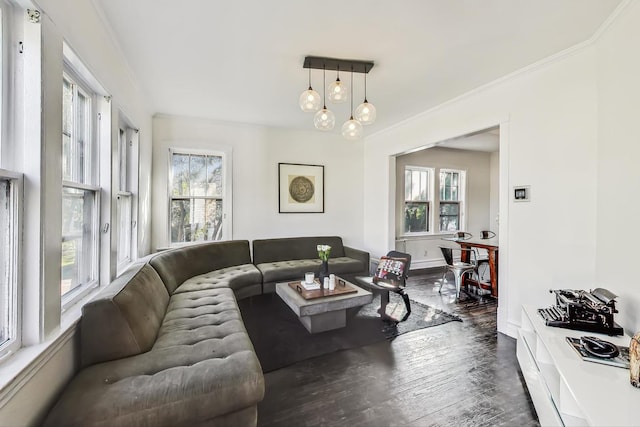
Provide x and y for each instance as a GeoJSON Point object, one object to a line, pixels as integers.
{"type": "Point", "coordinates": [301, 188]}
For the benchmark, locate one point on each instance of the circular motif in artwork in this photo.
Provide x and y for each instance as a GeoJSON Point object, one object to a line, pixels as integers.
{"type": "Point", "coordinates": [301, 189]}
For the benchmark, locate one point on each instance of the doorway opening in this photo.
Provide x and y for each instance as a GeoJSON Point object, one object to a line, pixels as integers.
{"type": "Point", "coordinates": [449, 187]}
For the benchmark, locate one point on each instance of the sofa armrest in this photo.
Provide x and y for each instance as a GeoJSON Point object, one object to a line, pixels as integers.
{"type": "Point", "coordinates": [360, 255]}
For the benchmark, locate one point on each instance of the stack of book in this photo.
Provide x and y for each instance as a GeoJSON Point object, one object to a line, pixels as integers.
{"type": "Point", "coordinates": [310, 286]}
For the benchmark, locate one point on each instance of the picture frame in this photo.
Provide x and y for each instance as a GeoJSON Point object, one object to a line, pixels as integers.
{"type": "Point", "coordinates": [300, 188]}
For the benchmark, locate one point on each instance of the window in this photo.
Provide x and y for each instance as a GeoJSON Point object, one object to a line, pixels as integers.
{"type": "Point", "coordinates": [124, 222]}
{"type": "Point", "coordinates": [10, 185]}
{"type": "Point", "coordinates": [197, 203]}
{"type": "Point", "coordinates": [80, 194]}
{"type": "Point", "coordinates": [450, 199]}
{"type": "Point", "coordinates": [10, 206]}
{"type": "Point", "coordinates": [416, 199]}
{"type": "Point", "coordinates": [125, 199]}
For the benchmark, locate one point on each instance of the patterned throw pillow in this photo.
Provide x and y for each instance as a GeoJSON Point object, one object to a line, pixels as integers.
{"type": "Point", "coordinates": [390, 270]}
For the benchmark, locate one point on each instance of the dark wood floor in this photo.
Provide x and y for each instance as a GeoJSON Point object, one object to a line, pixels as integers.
{"type": "Point", "coordinates": [457, 374]}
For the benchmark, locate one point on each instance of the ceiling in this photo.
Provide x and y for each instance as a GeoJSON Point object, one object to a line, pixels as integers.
{"type": "Point", "coordinates": [241, 60]}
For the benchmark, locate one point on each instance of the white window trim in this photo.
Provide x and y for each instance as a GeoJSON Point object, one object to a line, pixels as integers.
{"type": "Point", "coordinates": [7, 159]}
{"type": "Point", "coordinates": [462, 199]}
{"type": "Point", "coordinates": [78, 73]}
{"type": "Point", "coordinates": [227, 174]}
{"type": "Point", "coordinates": [126, 174]}
{"type": "Point", "coordinates": [76, 294]}
{"type": "Point", "coordinates": [124, 263]}
{"type": "Point", "coordinates": [15, 290]}
{"type": "Point", "coordinates": [431, 198]}
{"type": "Point", "coordinates": [434, 214]}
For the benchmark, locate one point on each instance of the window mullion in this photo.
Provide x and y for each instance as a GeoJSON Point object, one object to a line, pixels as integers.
{"type": "Point", "coordinates": [80, 186]}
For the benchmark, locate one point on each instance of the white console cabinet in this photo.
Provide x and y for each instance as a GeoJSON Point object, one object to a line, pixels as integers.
{"type": "Point", "coordinates": [566, 390]}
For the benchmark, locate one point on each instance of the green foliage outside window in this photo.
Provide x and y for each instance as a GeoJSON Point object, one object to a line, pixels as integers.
{"type": "Point", "coordinates": [416, 217]}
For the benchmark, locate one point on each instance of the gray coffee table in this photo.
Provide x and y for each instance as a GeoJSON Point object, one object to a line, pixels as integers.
{"type": "Point", "coordinates": [325, 313]}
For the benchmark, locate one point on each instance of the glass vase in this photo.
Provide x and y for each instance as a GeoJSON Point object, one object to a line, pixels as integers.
{"type": "Point", "coordinates": [323, 272]}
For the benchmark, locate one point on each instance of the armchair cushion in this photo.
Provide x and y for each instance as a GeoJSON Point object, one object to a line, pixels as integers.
{"type": "Point", "coordinates": [391, 270]}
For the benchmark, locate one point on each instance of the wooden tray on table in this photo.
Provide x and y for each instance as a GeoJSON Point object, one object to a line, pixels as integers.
{"type": "Point", "coordinates": [342, 287]}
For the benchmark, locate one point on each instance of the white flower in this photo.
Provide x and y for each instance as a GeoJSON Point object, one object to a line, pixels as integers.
{"type": "Point", "coordinates": [323, 252]}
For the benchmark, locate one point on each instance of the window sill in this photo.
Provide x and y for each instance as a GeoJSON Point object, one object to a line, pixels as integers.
{"type": "Point", "coordinates": [24, 364]}
{"type": "Point", "coordinates": [415, 236]}
{"type": "Point", "coordinates": [18, 368]}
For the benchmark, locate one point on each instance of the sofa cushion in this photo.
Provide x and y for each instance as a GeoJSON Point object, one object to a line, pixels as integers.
{"type": "Point", "coordinates": [177, 265]}
{"type": "Point", "coordinates": [289, 270]}
{"type": "Point", "coordinates": [124, 319]}
{"type": "Point", "coordinates": [294, 248]}
{"type": "Point", "coordinates": [195, 316]}
{"type": "Point", "coordinates": [201, 366]}
{"type": "Point", "coordinates": [237, 278]}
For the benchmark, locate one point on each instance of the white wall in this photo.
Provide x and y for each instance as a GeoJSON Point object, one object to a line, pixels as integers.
{"type": "Point", "coordinates": [256, 154]}
{"type": "Point", "coordinates": [425, 250]}
{"type": "Point", "coordinates": [25, 400]}
{"type": "Point", "coordinates": [566, 128]}
{"type": "Point", "coordinates": [548, 120]}
{"type": "Point", "coordinates": [494, 191]}
{"type": "Point", "coordinates": [82, 27]}
{"type": "Point", "coordinates": [618, 183]}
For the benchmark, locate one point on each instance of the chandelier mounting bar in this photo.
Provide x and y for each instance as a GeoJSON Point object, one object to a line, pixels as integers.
{"type": "Point", "coordinates": [347, 65]}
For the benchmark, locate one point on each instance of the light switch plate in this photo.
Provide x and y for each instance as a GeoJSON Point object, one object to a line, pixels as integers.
{"type": "Point", "coordinates": [522, 193]}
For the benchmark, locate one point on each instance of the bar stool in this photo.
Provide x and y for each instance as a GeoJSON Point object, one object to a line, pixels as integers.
{"type": "Point", "coordinates": [458, 268]}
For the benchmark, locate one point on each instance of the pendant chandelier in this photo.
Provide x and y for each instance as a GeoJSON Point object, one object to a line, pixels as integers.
{"type": "Point", "coordinates": [338, 92]}
{"type": "Point", "coordinates": [352, 129]}
{"type": "Point", "coordinates": [310, 99]}
{"type": "Point", "coordinates": [324, 119]}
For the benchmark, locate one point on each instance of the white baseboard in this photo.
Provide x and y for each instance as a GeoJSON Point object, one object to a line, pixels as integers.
{"type": "Point", "coordinates": [426, 263]}
{"type": "Point", "coordinates": [415, 264]}
{"type": "Point", "coordinates": [512, 330]}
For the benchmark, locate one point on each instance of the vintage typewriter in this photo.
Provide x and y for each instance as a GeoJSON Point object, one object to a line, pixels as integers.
{"type": "Point", "coordinates": [590, 311]}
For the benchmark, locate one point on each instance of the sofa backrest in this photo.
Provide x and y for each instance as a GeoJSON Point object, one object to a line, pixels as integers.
{"type": "Point", "coordinates": [124, 319]}
{"type": "Point", "coordinates": [177, 265]}
{"type": "Point", "coordinates": [272, 250]}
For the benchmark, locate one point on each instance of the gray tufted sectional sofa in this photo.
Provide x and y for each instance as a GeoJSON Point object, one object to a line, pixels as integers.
{"type": "Point", "coordinates": [165, 345]}
{"type": "Point", "coordinates": [286, 259]}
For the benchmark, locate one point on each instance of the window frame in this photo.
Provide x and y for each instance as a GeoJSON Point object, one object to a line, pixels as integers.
{"type": "Point", "coordinates": [11, 171]}
{"type": "Point", "coordinates": [226, 193]}
{"type": "Point", "coordinates": [428, 203]}
{"type": "Point", "coordinates": [89, 183]}
{"type": "Point", "coordinates": [14, 291]}
{"type": "Point", "coordinates": [461, 193]}
{"type": "Point", "coordinates": [126, 190]}
{"type": "Point", "coordinates": [124, 260]}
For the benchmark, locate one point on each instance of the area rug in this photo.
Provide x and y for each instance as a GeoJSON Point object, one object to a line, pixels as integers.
{"type": "Point", "coordinates": [280, 339]}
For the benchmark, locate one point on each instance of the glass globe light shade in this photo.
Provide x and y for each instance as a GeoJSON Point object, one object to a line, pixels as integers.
{"type": "Point", "coordinates": [338, 92]}
{"type": "Point", "coordinates": [324, 119]}
{"type": "Point", "coordinates": [365, 113]}
{"type": "Point", "coordinates": [310, 101]}
{"type": "Point", "coordinates": [352, 129]}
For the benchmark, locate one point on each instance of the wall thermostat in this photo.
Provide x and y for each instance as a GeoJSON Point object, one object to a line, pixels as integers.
{"type": "Point", "coordinates": [521, 193]}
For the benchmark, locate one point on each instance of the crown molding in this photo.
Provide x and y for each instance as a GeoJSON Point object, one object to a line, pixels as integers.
{"type": "Point", "coordinates": [550, 60]}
